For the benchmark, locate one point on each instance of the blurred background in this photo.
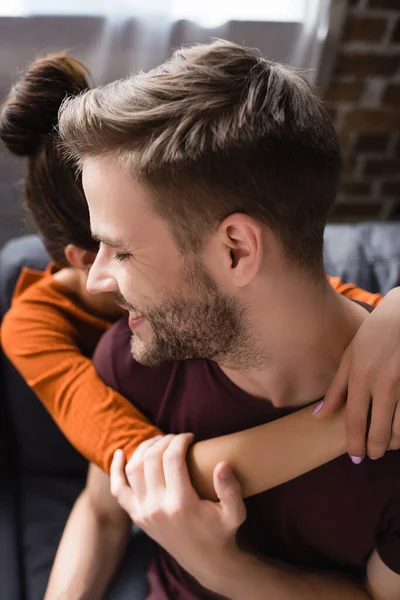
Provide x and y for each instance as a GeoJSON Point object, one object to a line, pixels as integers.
{"type": "Point", "coordinates": [349, 48]}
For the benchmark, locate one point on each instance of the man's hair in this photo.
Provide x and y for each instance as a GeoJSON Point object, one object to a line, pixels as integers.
{"type": "Point", "coordinates": [214, 131]}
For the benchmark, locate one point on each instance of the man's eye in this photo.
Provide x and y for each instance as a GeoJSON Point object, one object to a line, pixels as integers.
{"type": "Point", "coordinates": [121, 256]}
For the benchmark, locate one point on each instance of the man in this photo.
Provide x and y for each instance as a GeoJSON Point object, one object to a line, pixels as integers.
{"type": "Point", "coordinates": [209, 182]}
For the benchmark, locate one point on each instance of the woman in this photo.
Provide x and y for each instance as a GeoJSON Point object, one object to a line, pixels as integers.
{"type": "Point", "coordinates": [54, 324]}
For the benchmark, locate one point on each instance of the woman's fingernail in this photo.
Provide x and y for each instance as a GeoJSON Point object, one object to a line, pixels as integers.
{"type": "Point", "coordinates": [373, 457]}
{"type": "Point", "coordinates": [357, 460]}
{"type": "Point", "coordinates": [320, 405]}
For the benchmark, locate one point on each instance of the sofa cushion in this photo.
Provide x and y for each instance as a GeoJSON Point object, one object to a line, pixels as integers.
{"type": "Point", "coordinates": [39, 444]}
{"type": "Point", "coordinates": [11, 582]}
{"type": "Point", "coordinates": [45, 505]}
{"type": "Point", "coordinates": [25, 251]}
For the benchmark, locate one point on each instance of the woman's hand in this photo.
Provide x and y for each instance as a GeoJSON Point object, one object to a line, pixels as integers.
{"type": "Point", "coordinates": [369, 378]}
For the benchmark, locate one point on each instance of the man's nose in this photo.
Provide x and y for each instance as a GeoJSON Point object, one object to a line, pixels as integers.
{"type": "Point", "coordinates": [100, 279]}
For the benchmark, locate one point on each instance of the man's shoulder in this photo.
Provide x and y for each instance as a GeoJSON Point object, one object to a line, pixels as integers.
{"type": "Point", "coordinates": [143, 386]}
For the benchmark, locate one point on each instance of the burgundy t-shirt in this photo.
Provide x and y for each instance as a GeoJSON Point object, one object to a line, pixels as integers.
{"type": "Point", "coordinates": [330, 518]}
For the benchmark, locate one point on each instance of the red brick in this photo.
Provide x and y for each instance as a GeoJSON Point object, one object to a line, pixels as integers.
{"type": "Point", "coordinates": [355, 188]}
{"type": "Point", "coordinates": [372, 142]}
{"type": "Point", "coordinates": [366, 64]}
{"type": "Point", "coordinates": [396, 33]}
{"type": "Point", "coordinates": [355, 210]}
{"type": "Point", "coordinates": [391, 188]}
{"type": "Point", "coordinates": [389, 4]}
{"type": "Point", "coordinates": [344, 91]}
{"type": "Point", "coordinates": [382, 166]}
{"type": "Point", "coordinates": [366, 119]}
{"type": "Point", "coordinates": [392, 94]}
{"type": "Point", "coordinates": [364, 29]}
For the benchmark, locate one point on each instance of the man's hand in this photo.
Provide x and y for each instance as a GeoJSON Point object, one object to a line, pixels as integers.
{"type": "Point", "coordinates": [369, 377]}
{"type": "Point", "coordinates": [156, 492]}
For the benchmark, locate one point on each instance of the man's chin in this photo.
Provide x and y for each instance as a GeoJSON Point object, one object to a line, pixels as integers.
{"type": "Point", "coordinates": [143, 354]}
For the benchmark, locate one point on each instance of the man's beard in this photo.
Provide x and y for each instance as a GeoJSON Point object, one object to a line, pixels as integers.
{"type": "Point", "coordinates": [202, 323]}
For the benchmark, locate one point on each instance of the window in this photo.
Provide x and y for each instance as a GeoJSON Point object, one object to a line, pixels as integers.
{"type": "Point", "coordinates": [209, 13]}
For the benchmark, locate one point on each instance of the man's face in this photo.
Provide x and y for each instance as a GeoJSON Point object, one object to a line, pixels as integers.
{"type": "Point", "coordinates": [176, 310]}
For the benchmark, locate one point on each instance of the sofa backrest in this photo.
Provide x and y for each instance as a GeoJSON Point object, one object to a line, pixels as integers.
{"type": "Point", "coordinates": [367, 254]}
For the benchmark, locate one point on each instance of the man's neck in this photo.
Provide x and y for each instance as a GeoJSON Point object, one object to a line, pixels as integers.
{"type": "Point", "coordinates": [306, 328]}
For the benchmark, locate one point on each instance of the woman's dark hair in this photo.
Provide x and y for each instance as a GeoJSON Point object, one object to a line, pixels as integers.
{"type": "Point", "coordinates": [28, 120]}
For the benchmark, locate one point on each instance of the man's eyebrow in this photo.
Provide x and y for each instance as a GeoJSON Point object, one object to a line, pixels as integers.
{"type": "Point", "coordinates": [108, 241]}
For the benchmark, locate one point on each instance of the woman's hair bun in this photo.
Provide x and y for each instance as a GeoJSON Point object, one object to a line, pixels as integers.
{"type": "Point", "coordinates": [30, 112]}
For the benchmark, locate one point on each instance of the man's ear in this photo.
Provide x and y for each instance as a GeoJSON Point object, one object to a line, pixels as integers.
{"type": "Point", "coordinates": [77, 257]}
{"type": "Point", "coordinates": [242, 237]}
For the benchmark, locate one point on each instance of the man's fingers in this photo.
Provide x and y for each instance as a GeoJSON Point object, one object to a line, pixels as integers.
{"type": "Point", "coordinates": [153, 465]}
{"type": "Point", "coordinates": [356, 417]}
{"type": "Point", "coordinates": [175, 468]}
{"type": "Point", "coordinates": [134, 470]}
{"type": "Point", "coordinates": [118, 483]}
{"type": "Point", "coordinates": [229, 492]}
{"type": "Point", "coordinates": [141, 450]}
{"type": "Point", "coordinates": [394, 443]}
{"type": "Point", "coordinates": [336, 395]}
{"type": "Point", "coordinates": [381, 426]}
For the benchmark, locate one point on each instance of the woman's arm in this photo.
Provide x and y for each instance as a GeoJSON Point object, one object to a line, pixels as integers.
{"type": "Point", "coordinates": [350, 290]}
{"type": "Point", "coordinates": [40, 335]}
{"type": "Point", "coordinates": [40, 340]}
{"type": "Point", "coordinates": [270, 454]}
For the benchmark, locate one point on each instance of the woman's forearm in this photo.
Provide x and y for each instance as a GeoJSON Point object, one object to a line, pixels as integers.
{"type": "Point", "coordinates": [268, 455]}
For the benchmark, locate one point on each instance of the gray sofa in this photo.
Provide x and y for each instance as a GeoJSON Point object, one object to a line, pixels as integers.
{"type": "Point", "coordinates": [42, 474]}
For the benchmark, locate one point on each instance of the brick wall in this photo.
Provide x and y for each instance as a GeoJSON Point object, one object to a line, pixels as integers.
{"type": "Point", "coordinates": [363, 99]}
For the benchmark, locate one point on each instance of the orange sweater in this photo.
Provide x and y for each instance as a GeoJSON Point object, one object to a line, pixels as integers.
{"type": "Point", "coordinates": [49, 337]}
